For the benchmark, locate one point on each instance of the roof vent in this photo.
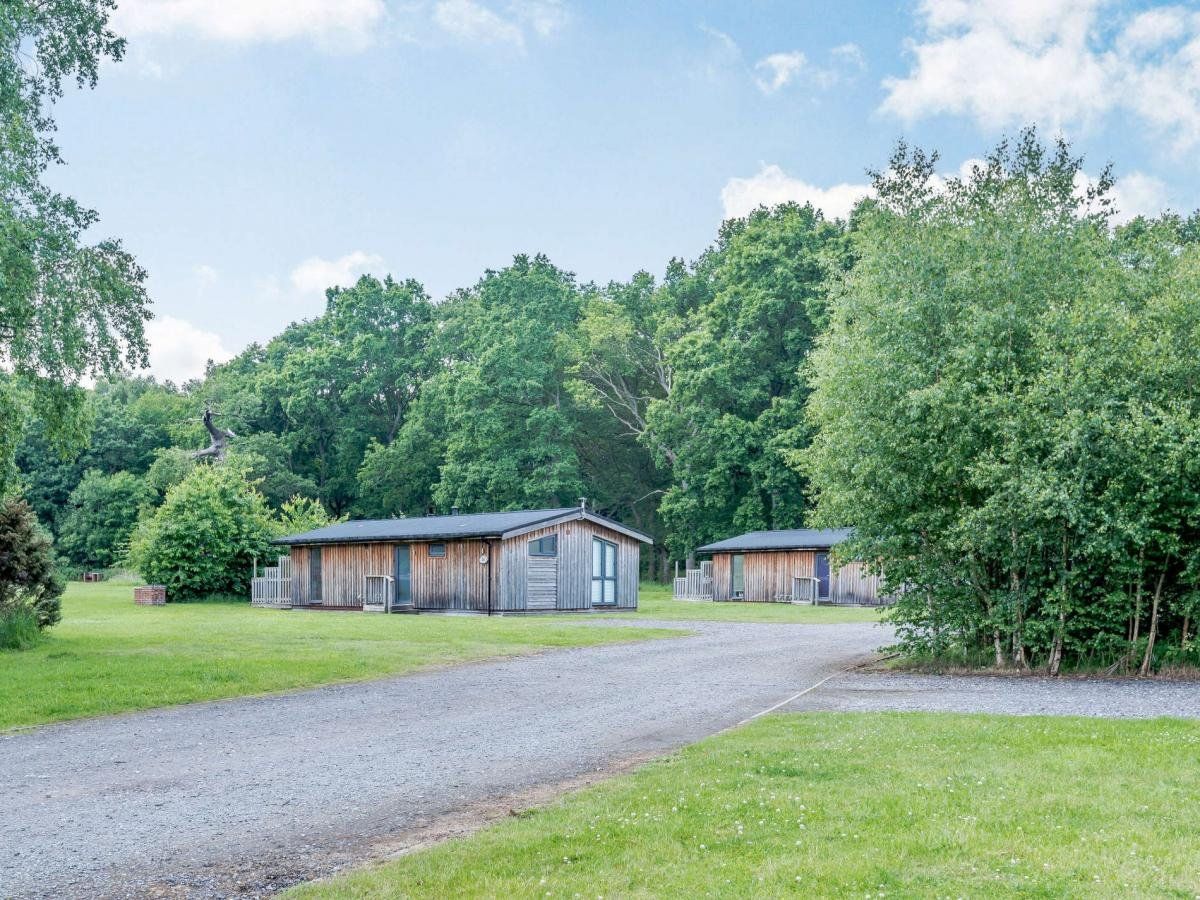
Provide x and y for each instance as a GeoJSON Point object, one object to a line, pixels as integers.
{"type": "Point", "coordinates": [454, 510]}
{"type": "Point", "coordinates": [583, 502]}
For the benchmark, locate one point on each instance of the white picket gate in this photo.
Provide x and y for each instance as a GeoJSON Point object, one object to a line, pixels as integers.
{"type": "Point", "coordinates": [273, 588]}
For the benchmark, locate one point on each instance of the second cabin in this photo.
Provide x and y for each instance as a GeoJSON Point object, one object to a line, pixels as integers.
{"type": "Point", "coordinates": [789, 566]}
{"type": "Point", "coordinates": [539, 560]}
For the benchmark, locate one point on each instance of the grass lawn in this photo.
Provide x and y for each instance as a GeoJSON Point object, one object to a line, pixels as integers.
{"type": "Point", "coordinates": [654, 602]}
{"type": "Point", "coordinates": [109, 655]}
{"type": "Point", "coordinates": [835, 804]}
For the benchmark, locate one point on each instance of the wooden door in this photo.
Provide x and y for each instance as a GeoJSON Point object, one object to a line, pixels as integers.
{"type": "Point", "coordinates": [821, 571]}
{"type": "Point", "coordinates": [403, 575]}
{"type": "Point", "coordinates": [314, 576]}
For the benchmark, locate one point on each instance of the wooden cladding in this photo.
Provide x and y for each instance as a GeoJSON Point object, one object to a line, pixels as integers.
{"type": "Point", "coordinates": [460, 581]}
{"type": "Point", "coordinates": [767, 575]}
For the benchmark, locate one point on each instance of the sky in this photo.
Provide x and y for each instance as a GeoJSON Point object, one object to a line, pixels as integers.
{"type": "Point", "coordinates": [252, 153]}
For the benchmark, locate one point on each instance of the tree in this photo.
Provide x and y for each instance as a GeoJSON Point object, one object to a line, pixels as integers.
{"type": "Point", "coordinates": [1004, 411]}
{"type": "Point", "coordinates": [103, 512]}
{"type": "Point", "coordinates": [30, 591]}
{"type": "Point", "coordinates": [67, 309]}
{"type": "Point", "coordinates": [301, 514]}
{"type": "Point", "coordinates": [510, 424]}
{"type": "Point", "coordinates": [206, 535]}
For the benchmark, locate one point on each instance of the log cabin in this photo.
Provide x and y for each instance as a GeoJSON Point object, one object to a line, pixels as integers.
{"type": "Point", "coordinates": [523, 561]}
{"type": "Point", "coordinates": [791, 565]}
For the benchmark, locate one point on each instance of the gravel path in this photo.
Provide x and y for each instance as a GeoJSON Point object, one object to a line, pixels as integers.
{"type": "Point", "coordinates": [243, 796]}
{"type": "Point", "coordinates": [1011, 695]}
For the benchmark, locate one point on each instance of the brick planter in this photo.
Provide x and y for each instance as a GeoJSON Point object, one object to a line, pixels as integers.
{"type": "Point", "coordinates": [150, 595]}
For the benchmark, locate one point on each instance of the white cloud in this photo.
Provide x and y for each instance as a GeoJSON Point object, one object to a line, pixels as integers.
{"type": "Point", "coordinates": [342, 24]}
{"type": "Point", "coordinates": [476, 23]}
{"type": "Point", "coordinates": [1055, 62]}
{"type": "Point", "coordinates": [471, 21]}
{"type": "Point", "coordinates": [1133, 195]}
{"type": "Point", "coordinates": [778, 69]}
{"type": "Point", "coordinates": [772, 186]}
{"type": "Point", "coordinates": [545, 17]}
{"type": "Point", "coordinates": [315, 274]}
{"type": "Point", "coordinates": [849, 55]}
{"type": "Point", "coordinates": [179, 350]}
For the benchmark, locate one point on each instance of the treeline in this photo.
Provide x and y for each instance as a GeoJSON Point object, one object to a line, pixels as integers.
{"type": "Point", "coordinates": [670, 404]}
{"type": "Point", "coordinates": [993, 384]}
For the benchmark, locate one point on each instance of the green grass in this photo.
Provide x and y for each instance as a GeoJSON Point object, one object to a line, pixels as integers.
{"type": "Point", "coordinates": [655, 602]}
{"type": "Point", "coordinates": [845, 805]}
{"type": "Point", "coordinates": [110, 656]}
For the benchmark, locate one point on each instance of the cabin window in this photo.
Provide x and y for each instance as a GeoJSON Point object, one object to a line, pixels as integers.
{"type": "Point", "coordinates": [544, 546]}
{"type": "Point", "coordinates": [604, 573]}
{"type": "Point", "coordinates": [738, 568]}
{"type": "Point", "coordinates": [437, 549]}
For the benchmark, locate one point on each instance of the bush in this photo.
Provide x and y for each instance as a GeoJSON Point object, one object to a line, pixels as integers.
{"type": "Point", "coordinates": [205, 537]}
{"type": "Point", "coordinates": [30, 589]}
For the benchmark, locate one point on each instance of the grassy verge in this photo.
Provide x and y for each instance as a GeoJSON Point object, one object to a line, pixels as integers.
{"type": "Point", "coordinates": [655, 602]}
{"type": "Point", "coordinates": [838, 805]}
{"type": "Point", "coordinates": [110, 656]}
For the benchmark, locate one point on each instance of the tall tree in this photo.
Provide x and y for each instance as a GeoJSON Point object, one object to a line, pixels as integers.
{"type": "Point", "coordinates": [68, 309]}
{"type": "Point", "coordinates": [1003, 412]}
{"type": "Point", "coordinates": [510, 420]}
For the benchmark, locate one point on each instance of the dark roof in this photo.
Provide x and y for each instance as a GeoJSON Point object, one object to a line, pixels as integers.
{"type": "Point", "coordinates": [789, 539]}
{"type": "Point", "coordinates": [445, 528]}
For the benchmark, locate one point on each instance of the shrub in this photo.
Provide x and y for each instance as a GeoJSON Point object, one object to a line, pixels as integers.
{"type": "Point", "coordinates": [205, 537]}
{"type": "Point", "coordinates": [30, 589]}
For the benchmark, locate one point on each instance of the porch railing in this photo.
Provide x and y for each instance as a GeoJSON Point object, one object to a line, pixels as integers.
{"type": "Point", "coordinates": [694, 584]}
{"type": "Point", "coordinates": [273, 588]}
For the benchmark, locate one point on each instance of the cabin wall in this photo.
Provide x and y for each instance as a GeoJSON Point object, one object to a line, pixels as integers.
{"type": "Point", "coordinates": [300, 588]}
{"type": "Point", "coordinates": [574, 576]}
{"type": "Point", "coordinates": [454, 581]}
{"type": "Point", "coordinates": [769, 574]}
{"type": "Point", "coordinates": [343, 567]}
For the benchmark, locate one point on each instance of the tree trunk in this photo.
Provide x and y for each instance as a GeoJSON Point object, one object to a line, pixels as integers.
{"type": "Point", "coordinates": [1187, 621]}
{"type": "Point", "coordinates": [1148, 658]}
{"type": "Point", "coordinates": [1018, 635]}
{"type": "Point", "coordinates": [1056, 649]}
{"type": "Point", "coordinates": [998, 647]}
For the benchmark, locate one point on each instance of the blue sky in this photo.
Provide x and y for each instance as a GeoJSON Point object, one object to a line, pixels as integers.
{"type": "Point", "coordinates": [252, 152]}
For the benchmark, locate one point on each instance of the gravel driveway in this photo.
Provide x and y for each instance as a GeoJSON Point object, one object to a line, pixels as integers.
{"type": "Point", "coordinates": [1123, 698]}
{"type": "Point", "coordinates": [246, 795]}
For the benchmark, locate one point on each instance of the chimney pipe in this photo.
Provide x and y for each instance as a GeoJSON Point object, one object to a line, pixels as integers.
{"type": "Point", "coordinates": [583, 502]}
{"type": "Point", "coordinates": [454, 510]}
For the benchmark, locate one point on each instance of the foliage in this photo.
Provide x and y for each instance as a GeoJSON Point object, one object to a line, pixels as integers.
{"type": "Point", "coordinates": [510, 429]}
{"type": "Point", "coordinates": [1006, 412]}
{"type": "Point", "coordinates": [103, 512]}
{"type": "Point", "coordinates": [29, 587]}
{"type": "Point", "coordinates": [205, 536]}
{"type": "Point", "coordinates": [848, 805]}
{"type": "Point", "coordinates": [301, 514]}
{"type": "Point", "coordinates": [67, 309]}
{"type": "Point", "coordinates": [110, 656]}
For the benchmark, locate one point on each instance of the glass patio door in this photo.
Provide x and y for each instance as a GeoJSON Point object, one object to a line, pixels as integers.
{"type": "Point", "coordinates": [604, 573]}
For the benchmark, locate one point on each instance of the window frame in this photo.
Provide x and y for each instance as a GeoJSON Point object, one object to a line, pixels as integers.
{"type": "Point", "coordinates": [604, 577]}
{"type": "Point", "coordinates": [436, 544]}
{"type": "Point", "coordinates": [536, 546]}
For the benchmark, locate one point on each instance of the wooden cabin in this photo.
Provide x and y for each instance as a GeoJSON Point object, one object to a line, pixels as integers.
{"type": "Point", "coordinates": [791, 565]}
{"type": "Point", "coordinates": [539, 560]}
